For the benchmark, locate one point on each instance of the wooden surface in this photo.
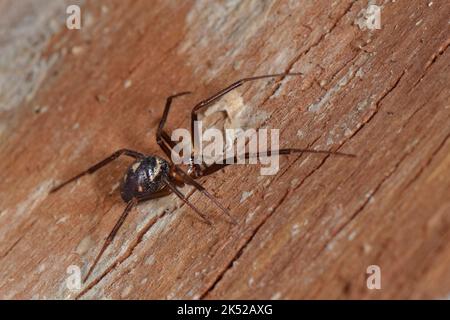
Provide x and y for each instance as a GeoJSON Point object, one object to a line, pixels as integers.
{"type": "Point", "coordinates": [310, 231]}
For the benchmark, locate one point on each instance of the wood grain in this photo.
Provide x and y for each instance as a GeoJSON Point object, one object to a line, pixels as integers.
{"type": "Point", "coordinates": [310, 231]}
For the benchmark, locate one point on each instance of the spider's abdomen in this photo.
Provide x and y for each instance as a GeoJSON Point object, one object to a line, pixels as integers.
{"type": "Point", "coordinates": [144, 177]}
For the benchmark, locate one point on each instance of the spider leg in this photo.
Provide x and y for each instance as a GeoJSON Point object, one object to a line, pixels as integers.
{"type": "Point", "coordinates": [111, 235]}
{"type": "Point", "coordinates": [163, 120]}
{"type": "Point", "coordinates": [115, 155]}
{"type": "Point", "coordinates": [161, 132]}
{"type": "Point", "coordinates": [209, 101]}
{"type": "Point", "coordinates": [217, 166]}
{"type": "Point", "coordinates": [177, 192]}
{"type": "Point", "coordinates": [189, 180]}
{"type": "Point", "coordinates": [133, 202]}
{"type": "Point", "coordinates": [165, 143]}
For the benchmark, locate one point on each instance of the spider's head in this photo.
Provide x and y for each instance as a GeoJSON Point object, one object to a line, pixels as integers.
{"type": "Point", "coordinates": [144, 177]}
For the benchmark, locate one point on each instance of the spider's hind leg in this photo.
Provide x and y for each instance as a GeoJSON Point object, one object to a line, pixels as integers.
{"type": "Point", "coordinates": [95, 167]}
{"type": "Point", "coordinates": [186, 178]}
{"type": "Point", "coordinates": [132, 203]}
{"type": "Point", "coordinates": [178, 193]}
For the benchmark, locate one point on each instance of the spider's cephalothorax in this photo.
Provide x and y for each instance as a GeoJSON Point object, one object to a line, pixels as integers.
{"type": "Point", "coordinates": [144, 177]}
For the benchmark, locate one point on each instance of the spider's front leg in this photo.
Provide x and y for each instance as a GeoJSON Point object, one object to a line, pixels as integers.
{"type": "Point", "coordinates": [207, 170]}
{"type": "Point", "coordinates": [214, 98]}
{"type": "Point", "coordinates": [166, 144]}
{"type": "Point", "coordinates": [162, 137]}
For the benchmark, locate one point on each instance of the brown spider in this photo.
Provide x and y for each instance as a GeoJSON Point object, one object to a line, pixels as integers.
{"type": "Point", "coordinates": [151, 177]}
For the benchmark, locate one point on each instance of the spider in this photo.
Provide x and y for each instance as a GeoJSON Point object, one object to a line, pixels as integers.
{"type": "Point", "coordinates": [151, 177]}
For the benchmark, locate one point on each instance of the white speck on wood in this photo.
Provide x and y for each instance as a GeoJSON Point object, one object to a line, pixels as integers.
{"type": "Point", "coordinates": [127, 83]}
{"type": "Point", "coordinates": [114, 188]}
{"type": "Point", "coordinates": [295, 230]}
{"type": "Point", "coordinates": [85, 244]}
{"type": "Point", "coordinates": [367, 248]}
{"type": "Point", "coordinates": [41, 268]}
{"type": "Point", "coordinates": [77, 50]}
{"type": "Point", "coordinates": [251, 281]}
{"type": "Point", "coordinates": [245, 195]}
{"type": "Point", "coordinates": [251, 215]}
{"type": "Point", "coordinates": [352, 236]}
{"type": "Point", "coordinates": [126, 291]}
{"type": "Point", "coordinates": [325, 99]}
{"type": "Point", "coordinates": [276, 296]}
{"type": "Point", "coordinates": [150, 260]}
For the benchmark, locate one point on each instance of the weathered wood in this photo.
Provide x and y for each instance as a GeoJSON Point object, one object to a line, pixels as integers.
{"type": "Point", "coordinates": [310, 231]}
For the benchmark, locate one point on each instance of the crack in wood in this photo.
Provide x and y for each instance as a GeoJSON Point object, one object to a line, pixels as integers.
{"type": "Point", "coordinates": [427, 163]}
{"type": "Point", "coordinates": [378, 187]}
{"type": "Point", "coordinates": [359, 210]}
{"type": "Point", "coordinates": [9, 250]}
{"type": "Point", "coordinates": [120, 260]}
{"type": "Point", "coordinates": [241, 250]}
{"type": "Point", "coordinates": [377, 106]}
{"type": "Point", "coordinates": [11, 247]}
{"type": "Point", "coordinates": [363, 206]}
{"type": "Point", "coordinates": [125, 256]}
{"type": "Point", "coordinates": [314, 45]}
{"type": "Point", "coordinates": [290, 165]}
{"type": "Point", "coordinates": [431, 62]}
{"type": "Point", "coordinates": [278, 85]}
{"type": "Point", "coordinates": [300, 55]}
